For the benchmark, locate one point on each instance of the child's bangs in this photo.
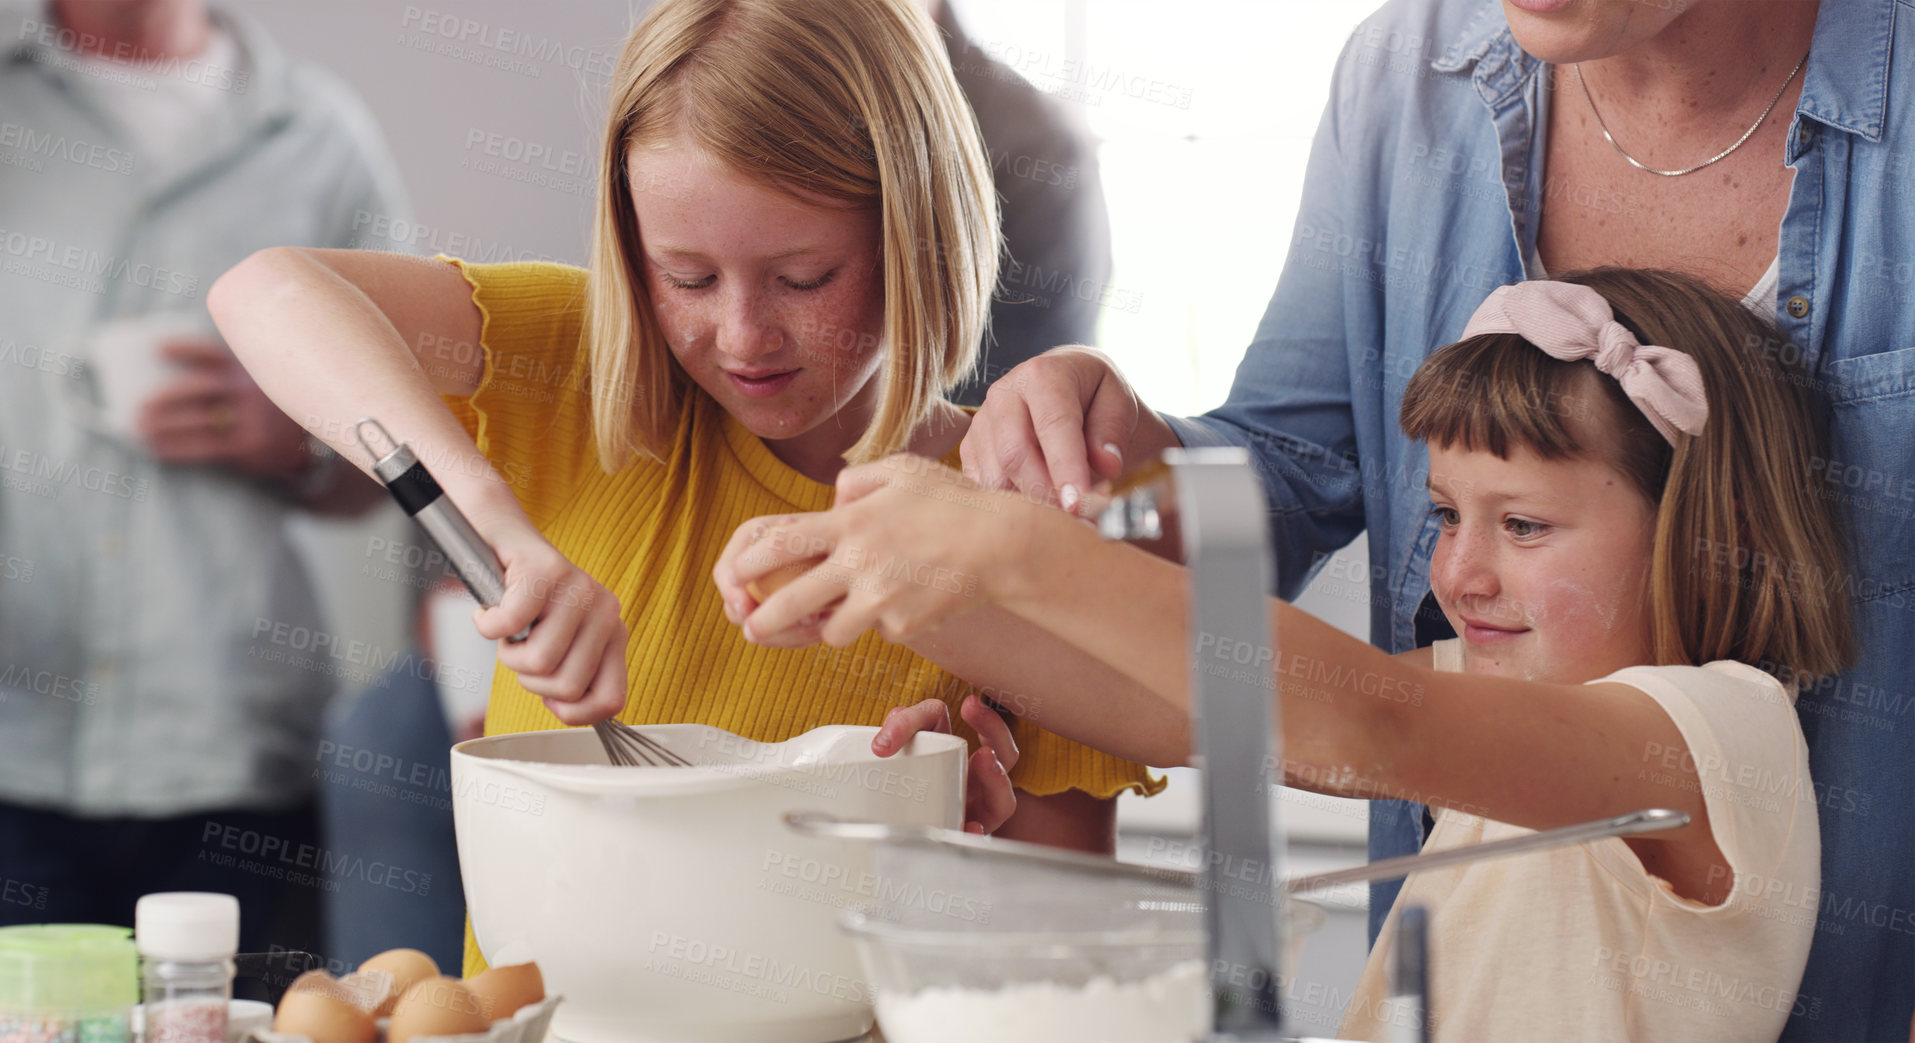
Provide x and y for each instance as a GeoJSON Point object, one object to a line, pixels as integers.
{"type": "Point", "coordinates": [1498, 392]}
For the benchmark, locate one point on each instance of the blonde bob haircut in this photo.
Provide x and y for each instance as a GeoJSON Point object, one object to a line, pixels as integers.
{"type": "Point", "coordinates": [1750, 562]}
{"type": "Point", "coordinates": [851, 101]}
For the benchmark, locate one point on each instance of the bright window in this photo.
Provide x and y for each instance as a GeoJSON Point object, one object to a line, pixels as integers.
{"type": "Point", "coordinates": [1205, 110]}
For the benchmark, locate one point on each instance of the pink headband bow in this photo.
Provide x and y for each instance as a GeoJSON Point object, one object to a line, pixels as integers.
{"type": "Point", "coordinates": [1572, 322]}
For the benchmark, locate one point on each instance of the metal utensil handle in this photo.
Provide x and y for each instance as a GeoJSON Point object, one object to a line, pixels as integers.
{"type": "Point", "coordinates": [820, 824]}
{"type": "Point", "coordinates": [465, 550]}
{"type": "Point", "coordinates": [1648, 820]}
{"type": "Point", "coordinates": [419, 494]}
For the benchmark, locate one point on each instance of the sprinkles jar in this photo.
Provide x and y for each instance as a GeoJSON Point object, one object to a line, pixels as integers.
{"type": "Point", "coordinates": [67, 983]}
{"type": "Point", "coordinates": [186, 941]}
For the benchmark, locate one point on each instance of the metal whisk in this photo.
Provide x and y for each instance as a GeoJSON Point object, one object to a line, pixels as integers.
{"type": "Point", "coordinates": [629, 747]}
{"type": "Point", "coordinates": [418, 492]}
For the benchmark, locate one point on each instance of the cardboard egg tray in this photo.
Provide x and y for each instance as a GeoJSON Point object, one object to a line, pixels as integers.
{"type": "Point", "coordinates": [529, 1025]}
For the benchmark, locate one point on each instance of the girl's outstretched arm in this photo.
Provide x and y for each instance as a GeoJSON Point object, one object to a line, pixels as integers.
{"type": "Point", "coordinates": [335, 335]}
{"type": "Point", "coordinates": [1356, 721]}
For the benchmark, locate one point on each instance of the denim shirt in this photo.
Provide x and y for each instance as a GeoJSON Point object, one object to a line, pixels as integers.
{"type": "Point", "coordinates": [162, 650]}
{"type": "Point", "coordinates": [1423, 193]}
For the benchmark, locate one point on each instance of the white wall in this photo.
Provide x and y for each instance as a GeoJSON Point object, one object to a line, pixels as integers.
{"type": "Point", "coordinates": [466, 91]}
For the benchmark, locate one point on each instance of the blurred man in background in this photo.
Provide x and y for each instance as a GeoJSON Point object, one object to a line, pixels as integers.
{"type": "Point", "coordinates": [163, 663]}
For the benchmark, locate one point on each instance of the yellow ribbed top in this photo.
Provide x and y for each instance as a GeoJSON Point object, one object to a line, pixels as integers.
{"type": "Point", "coordinates": [652, 532]}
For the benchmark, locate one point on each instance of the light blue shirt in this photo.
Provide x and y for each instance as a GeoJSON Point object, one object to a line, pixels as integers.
{"type": "Point", "coordinates": [1422, 195]}
{"type": "Point", "coordinates": [161, 648]}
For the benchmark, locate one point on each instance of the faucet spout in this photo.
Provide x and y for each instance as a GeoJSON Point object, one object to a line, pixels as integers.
{"type": "Point", "coordinates": [1219, 506]}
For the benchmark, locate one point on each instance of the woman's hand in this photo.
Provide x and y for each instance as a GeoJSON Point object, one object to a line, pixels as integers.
{"type": "Point", "coordinates": [909, 544]}
{"type": "Point", "coordinates": [575, 656]}
{"type": "Point", "coordinates": [989, 799]}
{"type": "Point", "coordinates": [1057, 425]}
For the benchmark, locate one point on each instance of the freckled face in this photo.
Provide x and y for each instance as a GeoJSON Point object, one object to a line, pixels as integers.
{"type": "Point", "coordinates": [1566, 31]}
{"type": "Point", "coordinates": [1542, 565]}
{"type": "Point", "coordinates": [772, 303]}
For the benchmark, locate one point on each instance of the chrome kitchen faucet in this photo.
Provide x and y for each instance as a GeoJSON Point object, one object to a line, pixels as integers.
{"type": "Point", "coordinates": [1217, 504]}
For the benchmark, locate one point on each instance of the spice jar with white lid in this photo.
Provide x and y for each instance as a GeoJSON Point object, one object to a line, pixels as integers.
{"type": "Point", "coordinates": [187, 940]}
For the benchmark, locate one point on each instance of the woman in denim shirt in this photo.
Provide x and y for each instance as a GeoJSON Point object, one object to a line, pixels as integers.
{"type": "Point", "coordinates": [1464, 147]}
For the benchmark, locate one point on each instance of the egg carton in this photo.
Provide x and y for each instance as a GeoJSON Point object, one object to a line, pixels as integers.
{"type": "Point", "coordinates": [529, 1024]}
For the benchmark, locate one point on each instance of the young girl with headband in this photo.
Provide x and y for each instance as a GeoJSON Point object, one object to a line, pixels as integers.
{"type": "Point", "coordinates": [1631, 550]}
{"type": "Point", "coordinates": [793, 258]}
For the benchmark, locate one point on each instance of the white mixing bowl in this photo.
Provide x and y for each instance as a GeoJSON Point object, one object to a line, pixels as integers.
{"type": "Point", "coordinates": [671, 904]}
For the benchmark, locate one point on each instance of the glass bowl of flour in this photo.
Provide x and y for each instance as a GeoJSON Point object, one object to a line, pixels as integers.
{"type": "Point", "coordinates": [965, 938]}
{"type": "Point", "coordinates": [1128, 973]}
{"type": "Point", "coordinates": [1077, 965]}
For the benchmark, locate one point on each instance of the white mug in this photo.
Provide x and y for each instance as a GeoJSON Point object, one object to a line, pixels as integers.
{"type": "Point", "coordinates": [128, 367]}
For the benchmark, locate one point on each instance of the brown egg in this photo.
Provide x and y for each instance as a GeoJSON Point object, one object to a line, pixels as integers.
{"type": "Point", "coordinates": [408, 967]}
{"type": "Point", "coordinates": [501, 991]}
{"type": "Point", "coordinates": [324, 1011]}
{"type": "Point", "coordinates": [776, 580]}
{"type": "Point", "coordinates": [435, 1007]}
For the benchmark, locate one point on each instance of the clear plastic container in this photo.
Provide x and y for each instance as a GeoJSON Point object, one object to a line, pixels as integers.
{"type": "Point", "coordinates": [186, 941]}
{"type": "Point", "coordinates": [67, 983]}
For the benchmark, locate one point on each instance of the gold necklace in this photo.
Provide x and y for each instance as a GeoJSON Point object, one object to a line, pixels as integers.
{"type": "Point", "coordinates": [1718, 157]}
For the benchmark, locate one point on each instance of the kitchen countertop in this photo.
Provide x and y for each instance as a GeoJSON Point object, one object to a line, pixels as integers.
{"type": "Point", "coordinates": [874, 1036]}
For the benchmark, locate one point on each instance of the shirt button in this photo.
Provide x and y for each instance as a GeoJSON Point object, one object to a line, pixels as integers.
{"type": "Point", "coordinates": [1798, 306]}
{"type": "Point", "coordinates": [1804, 134]}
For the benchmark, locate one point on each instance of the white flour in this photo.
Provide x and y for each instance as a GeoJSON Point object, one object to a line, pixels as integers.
{"type": "Point", "coordinates": [1171, 1007]}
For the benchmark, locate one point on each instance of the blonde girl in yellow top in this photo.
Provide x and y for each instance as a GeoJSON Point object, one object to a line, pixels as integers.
{"type": "Point", "coordinates": [793, 257]}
